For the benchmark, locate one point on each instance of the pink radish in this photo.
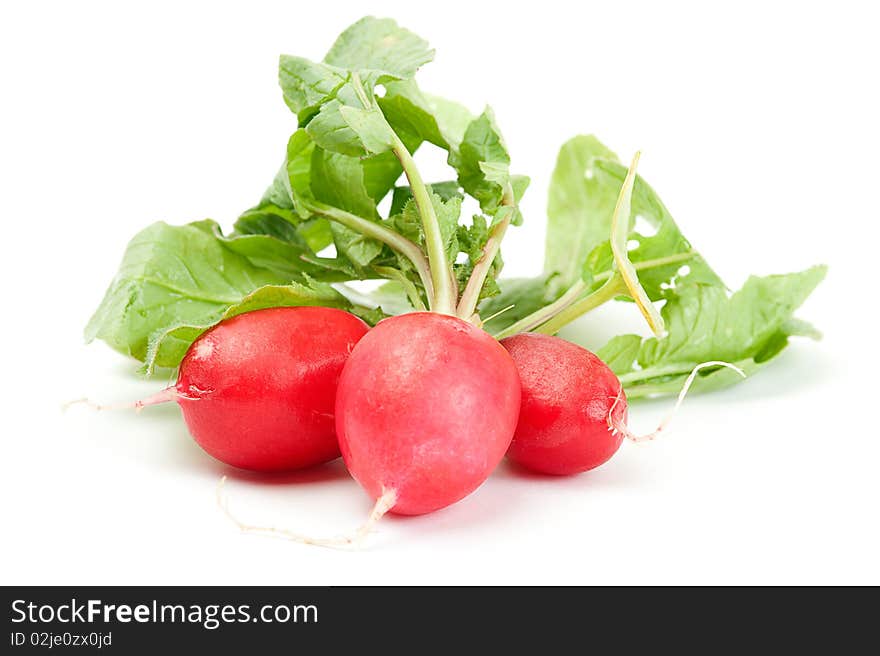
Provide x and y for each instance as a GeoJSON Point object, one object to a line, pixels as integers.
{"type": "Point", "coordinates": [258, 390]}
{"type": "Point", "coordinates": [425, 410]}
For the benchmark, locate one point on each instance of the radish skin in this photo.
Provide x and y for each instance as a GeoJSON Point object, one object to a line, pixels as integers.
{"type": "Point", "coordinates": [258, 390]}
{"type": "Point", "coordinates": [569, 398]}
{"type": "Point", "coordinates": [426, 407]}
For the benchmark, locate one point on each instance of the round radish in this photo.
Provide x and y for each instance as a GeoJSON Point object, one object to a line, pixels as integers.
{"type": "Point", "coordinates": [425, 410]}
{"type": "Point", "coordinates": [571, 401]}
{"type": "Point", "coordinates": [258, 390]}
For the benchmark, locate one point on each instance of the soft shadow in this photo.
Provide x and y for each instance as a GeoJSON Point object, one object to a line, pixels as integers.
{"type": "Point", "coordinates": [323, 473]}
{"type": "Point", "coordinates": [799, 368]}
{"type": "Point", "coordinates": [619, 472]}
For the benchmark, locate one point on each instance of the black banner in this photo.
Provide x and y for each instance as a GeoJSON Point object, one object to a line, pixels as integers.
{"type": "Point", "coordinates": [151, 620]}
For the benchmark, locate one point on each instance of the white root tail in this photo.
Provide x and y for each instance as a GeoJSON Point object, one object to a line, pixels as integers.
{"type": "Point", "coordinates": [166, 395]}
{"type": "Point", "coordinates": [353, 541]}
{"type": "Point", "coordinates": [616, 426]}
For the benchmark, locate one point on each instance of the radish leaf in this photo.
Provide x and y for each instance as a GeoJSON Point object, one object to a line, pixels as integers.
{"type": "Point", "coordinates": [704, 323]}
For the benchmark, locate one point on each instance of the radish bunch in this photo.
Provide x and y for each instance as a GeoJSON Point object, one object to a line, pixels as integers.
{"type": "Point", "coordinates": [424, 383]}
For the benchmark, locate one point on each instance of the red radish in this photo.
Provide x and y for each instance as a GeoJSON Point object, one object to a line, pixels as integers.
{"type": "Point", "coordinates": [573, 416]}
{"type": "Point", "coordinates": [426, 407]}
{"type": "Point", "coordinates": [568, 394]}
{"type": "Point", "coordinates": [258, 390]}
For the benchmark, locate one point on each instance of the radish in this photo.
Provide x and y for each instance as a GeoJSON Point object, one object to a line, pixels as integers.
{"type": "Point", "coordinates": [573, 416]}
{"type": "Point", "coordinates": [425, 410]}
{"type": "Point", "coordinates": [568, 394]}
{"type": "Point", "coordinates": [257, 390]}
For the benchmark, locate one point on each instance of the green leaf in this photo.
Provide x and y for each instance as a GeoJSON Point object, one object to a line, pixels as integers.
{"type": "Point", "coordinates": [168, 345]}
{"type": "Point", "coordinates": [409, 222]}
{"type": "Point", "coordinates": [583, 193]}
{"type": "Point", "coordinates": [381, 45]}
{"type": "Point", "coordinates": [306, 84]}
{"type": "Point", "coordinates": [411, 114]}
{"type": "Point", "coordinates": [482, 162]}
{"type": "Point", "coordinates": [799, 328]}
{"type": "Point", "coordinates": [403, 194]}
{"type": "Point", "coordinates": [338, 180]}
{"type": "Point", "coordinates": [704, 324]}
{"type": "Point", "coordinates": [341, 90]}
{"type": "Point", "coordinates": [452, 119]}
{"type": "Point", "coordinates": [259, 222]}
{"type": "Point", "coordinates": [173, 275]}
{"type": "Point", "coordinates": [620, 353]}
{"type": "Point", "coordinates": [354, 246]}
{"type": "Point", "coordinates": [364, 181]}
{"type": "Point", "coordinates": [331, 131]}
{"type": "Point", "coordinates": [284, 252]}
{"type": "Point", "coordinates": [278, 193]}
{"type": "Point", "coordinates": [371, 128]}
{"type": "Point", "coordinates": [275, 214]}
{"type": "Point", "coordinates": [579, 208]}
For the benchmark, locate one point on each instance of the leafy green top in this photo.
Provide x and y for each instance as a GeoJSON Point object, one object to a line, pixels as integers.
{"type": "Point", "coordinates": [361, 118]}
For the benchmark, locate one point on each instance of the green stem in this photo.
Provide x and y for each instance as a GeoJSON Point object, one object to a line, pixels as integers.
{"type": "Point", "coordinates": [380, 233]}
{"type": "Point", "coordinates": [657, 372]}
{"type": "Point", "coordinates": [548, 312]}
{"type": "Point", "coordinates": [412, 293]}
{"type": "Point", "coordinates": [614, 286]}
{"type": "Point", "coordinates": [443, 297]}
{"type": "Point", "coordinates": [651, 264]}
{"type": "Point", "coordinates": [470, 297]}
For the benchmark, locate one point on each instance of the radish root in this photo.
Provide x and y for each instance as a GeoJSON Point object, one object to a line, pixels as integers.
{"type": "Point", "coordinates": [618, 427]}
{"type": "Point", "coordinates": [353, 541]}
{"type": "Point", "coordinates": [166, 395]}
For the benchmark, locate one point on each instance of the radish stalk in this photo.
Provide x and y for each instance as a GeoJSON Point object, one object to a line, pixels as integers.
{"type": "Point", "coordinates": [442, 299]}
{"type": "Point", "coordinates": [573, 293]}
{"type": "Point", "coordinates": [378, 232]}
{"type": "Point", "coordinates": [614, 286]}
{"type": "Point", "coordinates": [442, 291]}
{"type": "Point", "coordinates": [467, 306]}
{"type": "Point", "coordinates": [619, 233]}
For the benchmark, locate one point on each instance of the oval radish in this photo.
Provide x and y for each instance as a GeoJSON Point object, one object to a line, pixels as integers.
{"type": "Point", "coordinates": [258, 390]}
{"type": "Point", "coordinates": [426, 408]}
{"type": "Point", "coordinates": [567, 395]}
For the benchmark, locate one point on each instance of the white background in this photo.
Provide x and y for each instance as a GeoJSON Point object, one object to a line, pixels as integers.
{"type": "Point", "coordinates": [758, 126]}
